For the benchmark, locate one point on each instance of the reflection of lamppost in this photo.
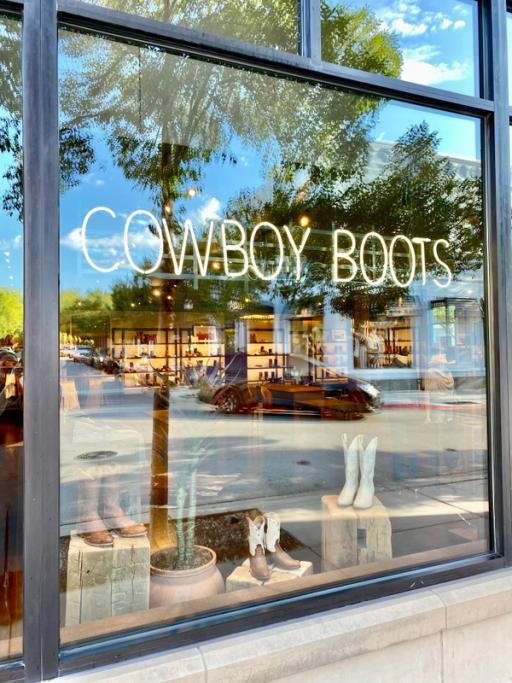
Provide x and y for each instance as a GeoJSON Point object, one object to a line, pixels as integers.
{"type": "Point", "coordinates": [79, 303]}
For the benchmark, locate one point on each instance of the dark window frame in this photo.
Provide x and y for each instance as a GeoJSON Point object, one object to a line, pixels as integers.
{"type": "Point", "coordinates": [42, 659]}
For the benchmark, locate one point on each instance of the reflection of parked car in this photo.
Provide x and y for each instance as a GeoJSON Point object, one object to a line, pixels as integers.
{"type": "Point", "coordinates": [82, 354]}
{"type": "Point", "coordinates": [334, 395]}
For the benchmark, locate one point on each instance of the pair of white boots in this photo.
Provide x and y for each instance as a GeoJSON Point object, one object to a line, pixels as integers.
{"type": "Point", "coordinates": [359, 471]}
{"type": "Point", "coordinates": [264, 536]}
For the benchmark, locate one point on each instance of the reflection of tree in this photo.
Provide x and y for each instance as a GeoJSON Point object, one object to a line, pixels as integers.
{"type": "Point", "coordinates": [355, 38]}
{"type": "Point", "coordinates": [166, 118]}
{"type": "Point", "coordinates": [11, 316]}
{"type": "Point", "coordinates": [417, 194]}
{"type": "Point", "coordinates": [84, 316]}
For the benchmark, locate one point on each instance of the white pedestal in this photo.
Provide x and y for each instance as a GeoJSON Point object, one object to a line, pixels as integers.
{"type": "Point", "coordinates": [241, 577]}
{"type": "Point", "coordinates": [351, 537]}
{"type": "Point", "coordinates": [106, 582]}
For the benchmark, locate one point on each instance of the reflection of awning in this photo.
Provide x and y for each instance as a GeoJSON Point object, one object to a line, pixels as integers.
{"type": "Point", "coordinates": [257, 311]}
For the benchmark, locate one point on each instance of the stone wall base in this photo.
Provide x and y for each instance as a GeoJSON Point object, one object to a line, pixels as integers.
{"type": "Point", "coordinates": [458, 632]}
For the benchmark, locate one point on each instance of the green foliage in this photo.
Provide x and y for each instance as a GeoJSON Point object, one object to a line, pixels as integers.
{"type": "Point", "coordinates": [11, 316]}
{"type": "Point", "coordinates": [354, 38]}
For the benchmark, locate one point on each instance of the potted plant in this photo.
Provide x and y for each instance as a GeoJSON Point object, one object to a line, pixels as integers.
{"type": "Point", "coordinates": [184, 570]}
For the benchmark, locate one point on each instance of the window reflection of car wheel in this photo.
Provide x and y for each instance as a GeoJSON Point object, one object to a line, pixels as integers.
{"type": "Point", "coordinates": [228, 402]}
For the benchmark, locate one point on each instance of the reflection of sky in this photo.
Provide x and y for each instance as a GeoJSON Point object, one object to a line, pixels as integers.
{"type": "Point", "coordinates": [11, 239]}
{"type": "Point", "coordinates": [105, 185]}
{"type": "Point", "coordinates": [437, 39]}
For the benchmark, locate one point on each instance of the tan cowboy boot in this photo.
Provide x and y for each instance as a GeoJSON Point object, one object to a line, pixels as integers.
{"type": "Point", "coordinates": [257, 561]}
{"type": "Point", "coordinates": [277, 556]}
{"type": "Point", "coordinates": [91, 527]}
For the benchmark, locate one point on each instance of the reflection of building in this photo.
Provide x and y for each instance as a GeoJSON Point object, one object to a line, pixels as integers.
{"type": "Point", "coordinates": [380, 155]}
{"type": "Point", "coordinates": [392, 347]}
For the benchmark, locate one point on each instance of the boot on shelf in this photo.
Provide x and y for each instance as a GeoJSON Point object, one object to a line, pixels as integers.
{"type": "Point", "coordinates": [117, 518]}
{"type": "Point", "coordinates": [277, 556]}
{"type": "Point", "coordinates": [351, 454]}
{"type": "Point", "coordinates": [257, 560]}
{"type": "Point", "coordinates": [364, 498]}
{"type": "Point", "coordinates": [91, 527]}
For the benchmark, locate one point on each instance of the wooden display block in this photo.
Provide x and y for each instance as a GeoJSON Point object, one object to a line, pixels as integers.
{"type": "Point", "coordinates": [68, 396]}
{"type": "Point", "coordinates": [351, 537]}
{"type": "Point", "coordinates": [106, 582]}
{"type": "Point", "coordinates": [241, 577]}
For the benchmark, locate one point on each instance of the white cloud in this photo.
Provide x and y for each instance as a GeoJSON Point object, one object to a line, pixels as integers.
{"type": "Point", "coordinates": [460, 23]}
{"type": "Point", "coordinates": [424, 53]}
{"type": "Point", "coordinates": [405, 28]}
{"type": "Point", "coordinates": [445, 23]}
{"type": "Point", "coordinates": [422, 72]}
{"type": "Point", "coordinates": [112, 244]}
{"type": "Point", "coordinates": [210, 211]}
{"type": "Point", "coordinates": [13, 243]}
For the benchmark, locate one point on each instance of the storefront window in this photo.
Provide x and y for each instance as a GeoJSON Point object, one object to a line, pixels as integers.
{"type": "Point", "coordinates": [272, 337]}
{"type": "Point", "coordinates": [509, 52]}
{"type": "Point", "coordinates": [262, 23]}
{"type": "Point", "coordinates": [432, 42]}
{"type": "Point", "coordinates": [11, 341]}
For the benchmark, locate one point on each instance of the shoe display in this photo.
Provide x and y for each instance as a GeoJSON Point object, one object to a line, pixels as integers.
{"type": "Point", "coordinates": [351, 454]}
{"type": "Point", "coordinates": [277, 556]}
{"type": "Point", "coordinates": [132, 531]}
{"type": "Point", "coordinates": [257, 560]}
{"type": "Point", "coordinates": [364, 497]}
{"type": "Point", "coordinates": [99, 539]}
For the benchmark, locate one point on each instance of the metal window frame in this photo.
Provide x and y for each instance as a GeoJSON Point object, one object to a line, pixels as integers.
{"type": "Point", "coordinates": [42, 659]}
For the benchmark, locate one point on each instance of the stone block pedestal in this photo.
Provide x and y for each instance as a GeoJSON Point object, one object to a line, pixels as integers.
{"type": "Point", "coordinates": [106, 582]}
{"type": "Point", "coordinates": [241, 577]}
{"type": "Point", "coordinates": [351, 537]}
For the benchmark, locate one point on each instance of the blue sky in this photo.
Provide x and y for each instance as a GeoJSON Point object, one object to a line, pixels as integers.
{"type": "Point", "coordinates": [437, 39]}
{"type": "Point", "coordinates": [437, 42]}
{"type": "Point", "coordinates": [105, 185]}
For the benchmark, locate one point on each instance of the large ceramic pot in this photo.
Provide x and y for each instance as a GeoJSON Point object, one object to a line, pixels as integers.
{"type": "Point", "coordinates": [172, 586]}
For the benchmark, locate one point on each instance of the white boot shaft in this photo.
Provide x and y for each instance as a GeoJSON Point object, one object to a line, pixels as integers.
{"type": "Point", "coordinates": [351, 454]}
{"type": "Point", "coordinates": [364, 498]}
{"type": "Point", "coordinates": [256, 534]}
{"type": "Point", "coordinates": [273, 531]}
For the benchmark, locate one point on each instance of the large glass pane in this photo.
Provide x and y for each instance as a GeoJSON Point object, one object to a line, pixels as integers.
{"type": "Point", "coordinates": [267, 23]}
{"type": "Point", "coordinates": [432, 42]}
{"type": "Point", "coordinates": [11, 340]}
{"type": "Point", "coordinates": [509, 54]}
{"type": "Point", "coordinates": [272, 336]}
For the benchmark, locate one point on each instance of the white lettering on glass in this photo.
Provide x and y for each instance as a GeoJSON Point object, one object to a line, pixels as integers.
{"type": "Point", "coordinates": [412, 261]}
{"type": "Point", "coordinates": [240, 253]}
{"type": "Point", "coordinates": [238, 247]}
{"type": "Point", "coordinates": [87, 256]}
{"type": "Point", "coordinates": [443, 264]}
{"type": "Point", "coordinates": [153, 220]}
{"type": "Point", "coordinates": [422, 241]}
{"type": "Point", "coordinates": [346, 255]}
{"type": "Point", "coordinates": [381, 279]}
{"type": "Point", "coordinates": [297, 250]}
{"type": "Point", "coordinates": [252, 255]}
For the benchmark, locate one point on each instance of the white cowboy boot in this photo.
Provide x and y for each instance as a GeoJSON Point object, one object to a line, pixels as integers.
{"type": "Point", "coordinates": [351, 453]}
{"type": "Point", "coordinates": [278, 557]}
{"type": "Point", "coordinates": [364, 498]}
{"type": "Point", "coordinates": [257, 561]}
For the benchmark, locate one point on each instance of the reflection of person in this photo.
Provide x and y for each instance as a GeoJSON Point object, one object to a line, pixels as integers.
{"type": "Point", "coordinates": [103, 485]}
{"type": "Point", "coordinates": [439, 385]}
{"type": "Point", "coordinates": [360, 351]}
{"type": "Point", "coordinates": [375, 346]}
